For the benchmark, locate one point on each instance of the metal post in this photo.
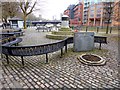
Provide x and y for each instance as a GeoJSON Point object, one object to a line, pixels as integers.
{"type": "Point", "coordinates": [97, 29]}
{"type": "Point", "coordinates": [110, 29]}
{"type": "Point", "coordinates": [86, 29]}
{"type": "Point", "coordinates": [66, 46]}
{"type": "Point", "coordinates": [7, 59]}
{"type": "Point", "coordinates": [43, 28]}
{"type": "Point", "coordinates": [46, 58]}
{"type": "Point", "coordinates": [100, 46]}
{"type": "Point", "coordinates": [22, 60]}
{"type": "Point", "coordinates": [61, 52]}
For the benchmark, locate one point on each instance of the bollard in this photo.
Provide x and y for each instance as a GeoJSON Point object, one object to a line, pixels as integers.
{"type": "Point", "coordinates": [86, 29]}
{"type": "Point", "coordinates": [97, 29]}
{"type": "Point", "coordinates": [110, 29]}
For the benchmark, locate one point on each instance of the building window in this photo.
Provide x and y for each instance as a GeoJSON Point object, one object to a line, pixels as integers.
{"type": "Point", "coordinates": [98, 15]}
{"type": "Point", "coordinates": [98, 11]}
{"type": "Point", "coordinates": [92, 15]}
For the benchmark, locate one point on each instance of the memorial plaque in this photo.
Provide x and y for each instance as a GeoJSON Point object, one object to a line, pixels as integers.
{"type": "Point", "coordinates": [83, 41]}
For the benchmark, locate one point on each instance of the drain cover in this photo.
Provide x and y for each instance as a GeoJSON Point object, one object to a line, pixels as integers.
{"type": "Point", "coordinates": [91, 59]}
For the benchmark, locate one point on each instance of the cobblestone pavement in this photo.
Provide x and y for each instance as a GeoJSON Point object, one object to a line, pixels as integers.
{"type": "Point", "coordinates": [65, 73]}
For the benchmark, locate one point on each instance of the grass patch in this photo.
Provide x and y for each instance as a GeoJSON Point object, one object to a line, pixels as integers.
{"type": "Point", "coordinates": [56, 37]}
{"type": "Point", "coordinates": [101, 30]}
{"type": "Point", "coordinates": [65, 29]}
{"type": "Point", "coordinates": [102, 52]}
{"type": "Point", "coordinates": [62, 32]}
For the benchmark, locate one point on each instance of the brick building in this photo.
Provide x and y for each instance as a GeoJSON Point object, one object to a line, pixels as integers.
{"type": "Point", "coordinates": [78, 15]}
{"type": "Point", "coordinates": [87, 12]}
{"type": "Point", "coordinates": [116, 14]}
{"type": "Point", "coordinates": [75, 13]}
{"type": "Point", "coordinates": [67, 12]}
{"type": "Point", "coordinates": [98, 15]}
{"type": "Point", "coordinates": [95, 15]}
{"type": "Point", "coordinates": [86, 4]}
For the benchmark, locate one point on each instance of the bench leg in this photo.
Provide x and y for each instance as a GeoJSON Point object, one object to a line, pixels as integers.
{"type": "Point", "coordinates": [22, 60]}
{"type": "Point", "coordinates": [7, 59]}
{"type": "Point", "coordinates": [100, 46]}
{"type": "Point", "coordinates": [46, 58]}
{"type": "Point", "coordinates": [66, 48]}
{"type": "Point", "coordinates": [16, 44]}
{"type": "Point", "coordinates": [61, 52]}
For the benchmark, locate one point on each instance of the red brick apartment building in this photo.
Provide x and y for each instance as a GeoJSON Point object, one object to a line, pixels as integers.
{"type": "Point", "coordinates": [67, 12]}
{"type": "Point", "coordinates": [95, 15]}
{"type": "Point", "coordinates": [78, 15]}
{"type": "Point", "coordinates": [77, 11]}
{"type": "Point", "coordinates": [116, 14]}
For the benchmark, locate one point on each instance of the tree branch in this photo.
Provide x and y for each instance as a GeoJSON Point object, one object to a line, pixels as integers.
{"type": "Point", "coordinates": [21, 6]}
{"type": "Point", "coordinates": [31, 8]}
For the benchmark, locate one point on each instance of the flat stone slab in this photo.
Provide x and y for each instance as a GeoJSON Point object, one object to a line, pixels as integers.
{"type": "Point", "coordinates": [83, 41]}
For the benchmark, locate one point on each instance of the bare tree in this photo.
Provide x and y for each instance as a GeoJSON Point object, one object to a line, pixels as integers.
{"type": "Point", "coordinates": [32, 17]}
{"type": "Point", "coordinates": [108, 12]}
{"type": "Point", "coordinates": [9, 9]}
{"type": "Point", "coordinates": [27, 8]}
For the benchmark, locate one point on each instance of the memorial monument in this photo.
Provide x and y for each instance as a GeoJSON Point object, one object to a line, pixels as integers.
{"type": "Point", "coordinates": [64, 31]}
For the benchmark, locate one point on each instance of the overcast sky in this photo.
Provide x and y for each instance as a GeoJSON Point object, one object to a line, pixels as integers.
{"type": "Point", "coordinates": [53, 8]}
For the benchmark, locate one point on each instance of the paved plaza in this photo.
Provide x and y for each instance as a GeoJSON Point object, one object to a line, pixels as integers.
{"type": "Point", "coordinates": [62, 73]}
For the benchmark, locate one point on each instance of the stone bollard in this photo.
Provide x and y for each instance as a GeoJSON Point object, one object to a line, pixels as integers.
{"type": "Point", "coordinates": [97, 29]}
{"type": "Point", "coordinates": [86, 28]}
{"type": "Point", "coordinates": [110, 29]}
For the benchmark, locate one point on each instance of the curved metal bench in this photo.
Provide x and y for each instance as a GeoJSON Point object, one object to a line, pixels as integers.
{"type": "Point", "coordinates": [34, 50]}
{"type": "Point", "coordinates": [42, 49]}
{"type": "Point", "coordinates": [8, 39]}
{"type": "Point", "coordinates": [14, 42]}
{"type": "Point", "coordinates": [97, 39]}
{"type": "Point", "coordinates": [101, 40]}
